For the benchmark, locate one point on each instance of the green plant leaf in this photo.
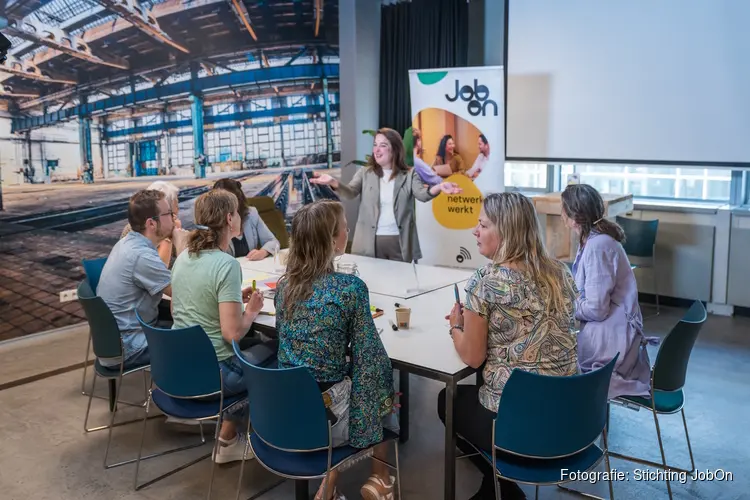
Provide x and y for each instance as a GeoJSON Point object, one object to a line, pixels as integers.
{"type": "Point", "coordinates": [360, 163]}
{"type": "Point", "coordinates": [409, 146]}
{"type": "Point", "coordinates": [371, 132]}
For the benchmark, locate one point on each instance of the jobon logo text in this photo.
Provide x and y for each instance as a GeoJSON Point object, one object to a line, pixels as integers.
{"type": "Point", "coordinates": [477, 97]}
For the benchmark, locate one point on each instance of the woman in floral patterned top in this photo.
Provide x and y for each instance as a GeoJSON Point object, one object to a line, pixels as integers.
{"type": "Point", "coordinates": [319, 315]}
{"type": "Point", "coordinates": [518, 315]}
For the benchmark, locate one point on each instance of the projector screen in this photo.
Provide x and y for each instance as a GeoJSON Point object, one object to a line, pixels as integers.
{"type": "Point", "coordinates": [631, 81]}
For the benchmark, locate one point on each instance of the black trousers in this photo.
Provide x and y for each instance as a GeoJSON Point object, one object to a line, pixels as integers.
{"type": "Point", "coordinates": [473, 422]}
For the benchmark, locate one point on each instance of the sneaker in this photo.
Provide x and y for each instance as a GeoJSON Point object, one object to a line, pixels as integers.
{"type": "Point", "coordinates": [376, 489]}
{"type": "Point", "coordinates": [232, 450]}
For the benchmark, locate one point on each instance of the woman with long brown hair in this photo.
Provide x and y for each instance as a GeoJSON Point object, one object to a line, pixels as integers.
{"type": "Point", "coordinates": [608, 309]}
{"type": "Point", "coordinates": [518, 314]}
{"type": "Point", "coordinates": [207, 291]}
{"type": "Point", "coordinates": [386, 227]}
{"type": "Point", "coordinates": [319, 313]}
{"type": "Point", "coordinates": [255, 241]}
{"type": "Point", "coordinates": [447, 160]}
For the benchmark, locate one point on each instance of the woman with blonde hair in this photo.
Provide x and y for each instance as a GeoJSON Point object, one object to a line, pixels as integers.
{"type": "Point", "coordinates": [207, 291]}
{"type": "Point", "coordinates": [518, 315]}
{"type": "Point", "coordinates": [386, 226]}
{"type": "Point", "coordinates": [319, 314]}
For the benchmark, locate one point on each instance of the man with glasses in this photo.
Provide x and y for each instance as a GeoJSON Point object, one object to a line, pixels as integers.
{"type": "Point", "coordinates": [135, 277]}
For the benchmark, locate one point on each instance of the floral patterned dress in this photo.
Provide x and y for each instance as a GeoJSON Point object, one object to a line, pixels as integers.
{"type": "Point", "coordinates": [337, 315]}
{"type": "Point", "coordinates": [522, 333]}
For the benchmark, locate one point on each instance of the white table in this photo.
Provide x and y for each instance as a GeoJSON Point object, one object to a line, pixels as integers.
{"type": "Point", "coordinates": [386, 277]}
{"type": "Point", "coordinates": [425, 349]}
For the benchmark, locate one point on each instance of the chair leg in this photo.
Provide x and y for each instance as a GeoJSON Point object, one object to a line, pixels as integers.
{"type": "Point", "coordinates": [140, 448]}
{"type": "Point", "coordinates": [244, 457]}
{"type": "Point", "coordinates": [140, 457]}
{"type": "Point", "coordinates": [113, 409]}
{"type": "Point", "coordinates": [112, 395]}
{"type": "Point", "coordinates": [608, 408]}
{"type": "Point", "coordinates": [215, 453]}
{"type": "Point", "coordinates": [536, 492]}
{"type": "Point", "coordinates": [606, 458]}
{"type": "Point", "coordinates": [498, 495]}
{"type": "Point", "coordinates": [301, 489]}
{"type": "Point", "coordinates": [398, 469]}
{"type": "Point", "coordinates": [663, 456]}
{"type": "Point", "coordinates": [86, 366]}
{"type": "Point", "coordinates": [687, 437]}
{"type": "Point", "coordinates": [145, 387]}
{"type": "Point", "coordinates": [88, 407]}
{"type": "Point", "coordinates": [656, 286]}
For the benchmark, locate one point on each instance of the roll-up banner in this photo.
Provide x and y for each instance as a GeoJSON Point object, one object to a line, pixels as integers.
{"type": "Point", "coordinates": [459, 115]}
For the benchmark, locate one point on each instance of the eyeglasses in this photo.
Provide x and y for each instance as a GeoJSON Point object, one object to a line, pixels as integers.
{"type": "Point", "coordinates": [170, 213]}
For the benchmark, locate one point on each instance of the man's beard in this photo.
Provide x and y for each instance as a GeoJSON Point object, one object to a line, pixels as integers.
{"type": "Point", "coordinates": [161, 233]}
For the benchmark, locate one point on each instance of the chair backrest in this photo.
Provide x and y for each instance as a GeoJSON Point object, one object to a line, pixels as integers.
{"type": "Point", "coordinates": [272, 217]}
{"type": "Point", "coordinates": [286, 406]}
{"type": "Point", "coordinates": [93, 269]}
{"type": "Point", "coordinates": [670, 367]}
{"type": "Point", "coordinates": [543, 416]}
{"type": "Point", "coordinates": [183, 361]}
{"type": "Point", "coordinates": [105, 334]}
{"type": "Point", "coordinates": [640, 235]}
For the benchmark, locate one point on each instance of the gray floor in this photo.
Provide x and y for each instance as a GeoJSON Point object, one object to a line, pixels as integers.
{"type": "Point", "coordinates": [46, 455]}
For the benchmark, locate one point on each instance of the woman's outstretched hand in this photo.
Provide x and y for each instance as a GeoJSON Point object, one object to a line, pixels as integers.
{"type": "Point", "coordinates": [450, 188]}
{"type": "Point", "coordinates": [324, 179]}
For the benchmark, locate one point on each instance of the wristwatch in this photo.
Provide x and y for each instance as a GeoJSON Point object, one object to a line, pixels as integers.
{"type": "Point", "coordinates": [458, 327]}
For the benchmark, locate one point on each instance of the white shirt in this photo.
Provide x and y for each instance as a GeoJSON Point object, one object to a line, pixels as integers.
{"type": "Point", "coordinates": [479, 164]}
{"type": "Point", "coordinates": [387, 225]}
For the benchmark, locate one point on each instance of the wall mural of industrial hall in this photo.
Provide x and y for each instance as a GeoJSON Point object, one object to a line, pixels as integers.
{"type": "Point", "coordinates": [99, 99]}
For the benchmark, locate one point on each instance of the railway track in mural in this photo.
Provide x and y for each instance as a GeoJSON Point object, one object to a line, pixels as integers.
{"type": "Point", "coordinates": [289, 191]}
{"type": "Point", "coordinates": [81, 219]}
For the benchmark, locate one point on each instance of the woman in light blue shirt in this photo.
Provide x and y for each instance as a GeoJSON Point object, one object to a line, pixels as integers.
{"type": "Point", "coordinates": [255, 241]}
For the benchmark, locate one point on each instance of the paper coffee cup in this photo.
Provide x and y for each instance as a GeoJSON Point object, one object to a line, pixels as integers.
{"type": "Point", "coordinates": [403, 316]}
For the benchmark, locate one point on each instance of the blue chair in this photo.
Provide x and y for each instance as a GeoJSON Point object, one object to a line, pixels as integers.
{"type": "Point", "coordinates": [667, 383]}
{"type": "Point", "coordinates": [187, 385]}
{"type": "Point", "coordinates": [93, 270]}
{"type": "Point", "coordinates": [107, 342]}
{"type": "Point", "coordinates": [640, 242]}
{"type": "Point", "coordinates": [291, 435]}
{"type": "Point", "coordinates": [545, 424]}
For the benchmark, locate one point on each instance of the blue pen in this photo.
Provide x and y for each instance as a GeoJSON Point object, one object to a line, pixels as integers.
{"type": "Point", "coordinates": [458, 297]}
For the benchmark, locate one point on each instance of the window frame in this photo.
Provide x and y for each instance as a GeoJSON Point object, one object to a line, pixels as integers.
{"type": "Point", "coordinates": [671, 199]}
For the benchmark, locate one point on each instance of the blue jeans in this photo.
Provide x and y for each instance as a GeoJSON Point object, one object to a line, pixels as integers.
{"type": "Point", "coordinates": [232, 376]}
{"type": "Point", "coordinates": [142, 357]}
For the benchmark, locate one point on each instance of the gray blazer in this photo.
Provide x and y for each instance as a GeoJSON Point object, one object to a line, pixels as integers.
{"type": "Point", "coordinates": [407, 186]}
{"type": "Point", "coordinates": [257, 234]}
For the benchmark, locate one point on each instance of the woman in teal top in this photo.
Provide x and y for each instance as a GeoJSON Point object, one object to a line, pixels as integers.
{"type": "Point", "coordinates": [319, 315]}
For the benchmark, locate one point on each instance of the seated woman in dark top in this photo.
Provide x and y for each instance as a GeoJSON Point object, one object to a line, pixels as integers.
{"type": "Point", "coordinates": [255, 241]}
{"type": "Point", "coordinates": [319, 314]}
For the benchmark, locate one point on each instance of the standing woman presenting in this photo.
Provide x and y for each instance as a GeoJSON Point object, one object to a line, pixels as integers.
{"type": "Point", "coordinates": [386, 228]}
